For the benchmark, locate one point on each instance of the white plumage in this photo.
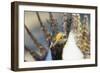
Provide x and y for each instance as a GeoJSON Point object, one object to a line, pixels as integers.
{"type": "Point", "coordinates": [70, 50]}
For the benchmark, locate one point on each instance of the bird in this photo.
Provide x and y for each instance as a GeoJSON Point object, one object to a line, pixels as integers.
{"type": "Point", "coordinates": [72, 43]}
